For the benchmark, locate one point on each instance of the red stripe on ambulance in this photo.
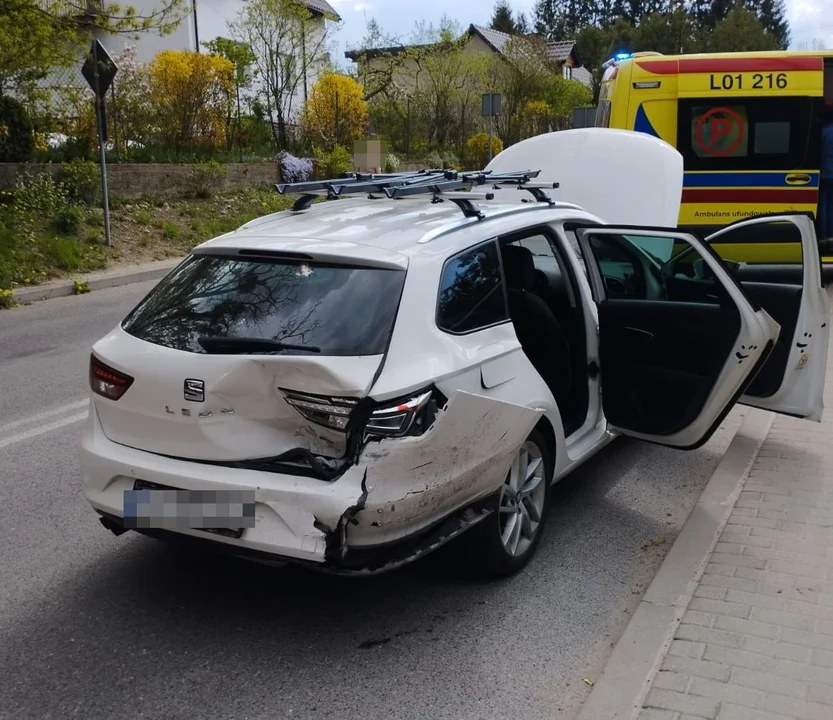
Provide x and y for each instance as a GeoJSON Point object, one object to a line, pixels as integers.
{"type": "Point", "coordinates": [761, 196]}
{"type": "Point", "coordinates": [729, 65]}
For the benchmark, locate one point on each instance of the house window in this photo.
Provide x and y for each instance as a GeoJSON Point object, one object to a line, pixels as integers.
{"type": "Point", "coordinates": [568, 72]}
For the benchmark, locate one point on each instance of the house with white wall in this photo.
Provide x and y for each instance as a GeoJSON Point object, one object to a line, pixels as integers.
{"type": "Point", "coordinates": [202, 21]}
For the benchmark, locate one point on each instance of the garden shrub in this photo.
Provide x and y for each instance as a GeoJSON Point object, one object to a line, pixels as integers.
{"type": "Point", "coordinates": [38, 199]}
{"type": "Point", "coordinates": [434, 161]}
{"type": "Point", "coordinates": [294, 169]}
{"type": "Point", "coordinates": [478, 146]}
{"type": "Point", "coordinates": [82, 180]}
{"type": "Point", "coordinates": [391, 163]}
{"type": "Point", "coordinates": [68, 220]}
{"type": "Point", "coordinates": [419, 148]}
{"type": "Point", "coordinates": [336, 111]}
{"type": "Point", "coordinates": [206, 177]}
{"type": "Point", "coordinates": [334, 163]}
{"type": "Point", "coordinates": [17, 136]}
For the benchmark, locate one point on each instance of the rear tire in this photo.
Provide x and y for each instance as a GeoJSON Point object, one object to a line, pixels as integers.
{"type": "Point", "coordinates": [503, 543]}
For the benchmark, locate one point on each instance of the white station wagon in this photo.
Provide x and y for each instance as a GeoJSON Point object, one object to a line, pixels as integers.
{"type": "Point", "coordinates": [353, 383]}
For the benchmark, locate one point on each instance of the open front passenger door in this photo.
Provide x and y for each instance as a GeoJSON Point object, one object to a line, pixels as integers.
{"type": "Point", "coordinates": [671, 368]}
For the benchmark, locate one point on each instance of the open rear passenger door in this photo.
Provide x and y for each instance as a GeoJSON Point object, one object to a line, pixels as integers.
{"type": "Point", "coordinates": [671, 368]}
{"type": "Point", "coordinates": [788, 285]}
{"type": "Point", "coordinates": [784, 278]}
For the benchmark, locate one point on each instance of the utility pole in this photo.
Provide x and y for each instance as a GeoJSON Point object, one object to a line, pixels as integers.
{"type": "Point", "coordinates": [196, 27]}
{"type": "Point", "coordinates": [304, 58]}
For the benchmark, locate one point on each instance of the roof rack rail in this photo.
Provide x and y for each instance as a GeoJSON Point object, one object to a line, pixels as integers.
{"type": "Point", "coordinates": [440, 184]}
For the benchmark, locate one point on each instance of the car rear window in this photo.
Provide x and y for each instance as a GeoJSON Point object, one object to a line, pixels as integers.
{"type": "Point", "coordinates": [329, 309]}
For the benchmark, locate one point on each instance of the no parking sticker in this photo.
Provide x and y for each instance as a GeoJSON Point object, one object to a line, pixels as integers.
{"type": "Point", "coordinates": [719, 131]}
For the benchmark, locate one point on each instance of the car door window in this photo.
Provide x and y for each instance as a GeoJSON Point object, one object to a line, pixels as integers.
{"type": "Point", "coordinates": [550, 275]}
{"type": "Point", "coordinates": [767, 258]}
{"type": "Point", "coordinates": [471, 293]}
{"type": "Point", "coordinates": [621, 268]}
{"type": "Point", "coordinates": [631, 266]}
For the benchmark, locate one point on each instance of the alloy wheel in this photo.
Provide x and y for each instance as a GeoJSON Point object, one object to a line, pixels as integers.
{"type": "Point", "coordinates": [522, 500]}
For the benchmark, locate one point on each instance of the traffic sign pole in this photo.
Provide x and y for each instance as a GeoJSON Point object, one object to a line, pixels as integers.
{"type": "Point", "coordinates": [106, 202]}
{"type": "Point", "coordinates": [491, 107]}
{"type": "Point", "coordinates": [99, 113]}
{"type": "Point", "coordinates": [99, 71]}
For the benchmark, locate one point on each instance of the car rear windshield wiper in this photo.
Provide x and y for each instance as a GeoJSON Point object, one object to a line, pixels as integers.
{"type": "Point", "coordinates": [232, 345]}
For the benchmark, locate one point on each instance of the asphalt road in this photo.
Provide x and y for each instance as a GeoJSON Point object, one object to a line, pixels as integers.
{"type": "Point", "coordinates": [95, 626]}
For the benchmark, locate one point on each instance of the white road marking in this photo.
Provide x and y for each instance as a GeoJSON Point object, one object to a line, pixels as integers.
{"type": "Point", "coordinates": [44, 415]}
{"type": "Point", "coordinates": [42, 429]}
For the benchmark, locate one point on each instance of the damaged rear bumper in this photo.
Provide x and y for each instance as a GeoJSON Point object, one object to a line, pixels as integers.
{"type": "Point", "coordinates": [402, 499]}
{"type": "Point", "coordinates": [359, 561]}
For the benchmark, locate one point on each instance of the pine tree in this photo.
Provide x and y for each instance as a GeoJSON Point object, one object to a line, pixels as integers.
{"type": "Point", "coordinates": [606, 12]}
{"type": "Point", "coordinates": [502, 19]}
{"type": "Point", "coordinates": [708, 13]}
{"type": "Point", "coordinates": [632, 10]}
{"type": "Point", "coordinates": [562, 19]}
{"type": "Point", "coordinates": [740, 31]}
{"type": "Point", "coordinates": [547, 16]}
{"type": "Point", "coordinates": [773, 16]}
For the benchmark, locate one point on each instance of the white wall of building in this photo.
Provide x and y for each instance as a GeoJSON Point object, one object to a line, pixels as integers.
{"type": "Point", "coordinates": [212, 19]}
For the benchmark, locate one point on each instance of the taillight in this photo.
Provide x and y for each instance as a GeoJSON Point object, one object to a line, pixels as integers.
{"type": "Point", "coordinates": [408, 416]}
{"type": "Point", "coordinates": [398, 419]}
{"type": "Point", "coordinates": [106, 381]}
{"type": "Point", "coordinates": [329, 412]}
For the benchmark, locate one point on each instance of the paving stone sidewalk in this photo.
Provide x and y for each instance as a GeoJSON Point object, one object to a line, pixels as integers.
{"type": "Point", "coordinates": [756, 642]}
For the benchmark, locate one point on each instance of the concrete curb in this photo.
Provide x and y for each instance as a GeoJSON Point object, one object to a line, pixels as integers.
{"type": "Point", "coordinates": [623, 685]}
{"type": "Point", "coordinates": [97, 281]}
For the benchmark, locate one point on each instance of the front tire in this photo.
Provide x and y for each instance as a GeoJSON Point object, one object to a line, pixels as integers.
{"type": "Point", "coordinates": [503, 543]}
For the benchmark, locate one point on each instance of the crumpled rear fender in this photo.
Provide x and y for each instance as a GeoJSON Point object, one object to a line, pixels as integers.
{"type": "Point", "coordinates": [412, 482]}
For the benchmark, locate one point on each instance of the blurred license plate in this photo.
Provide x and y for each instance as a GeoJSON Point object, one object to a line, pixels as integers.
{"type": "Point", "coordinates": [226, 512]}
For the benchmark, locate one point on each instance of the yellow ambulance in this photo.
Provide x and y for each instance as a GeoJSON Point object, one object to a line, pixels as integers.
{"type": "Point", "coordinates": [748, 126]}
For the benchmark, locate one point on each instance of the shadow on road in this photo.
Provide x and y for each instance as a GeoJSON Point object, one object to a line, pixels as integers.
{"type": "Point", "coordinates": [183, 633]}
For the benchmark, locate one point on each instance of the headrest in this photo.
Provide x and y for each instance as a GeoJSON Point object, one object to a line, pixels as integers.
{"type": "Point", "coordinates": [519, 267]}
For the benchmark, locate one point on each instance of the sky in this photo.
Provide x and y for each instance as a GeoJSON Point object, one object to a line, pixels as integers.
{"type": "Point", "coordinates": [398, 18]}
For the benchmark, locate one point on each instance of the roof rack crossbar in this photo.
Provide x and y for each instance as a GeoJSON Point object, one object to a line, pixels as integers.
{"type": "Point", "coordinates": [400, 191]}
{"type": "Point", "coordinates": [536, 189]}
{"type": "Point", "coordinates": [355, 184]}
{"type": "Point", "coordinates": [410, 181]}
{"type": "Point", "coordinates": [433, 182]}
{"type": "Point", "coordinates": [324, 187]}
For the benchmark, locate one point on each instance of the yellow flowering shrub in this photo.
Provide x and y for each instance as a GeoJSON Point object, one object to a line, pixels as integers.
{"type": "Point", "coordinates": [478, 146]}
{"type": "Point", "coordinates": [191, 93]}
{"type": "Point", "coordinates": [335, 112]}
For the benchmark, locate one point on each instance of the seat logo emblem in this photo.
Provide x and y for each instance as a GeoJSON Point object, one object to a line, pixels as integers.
{"type": "Point", "coordinates": [194, 390]}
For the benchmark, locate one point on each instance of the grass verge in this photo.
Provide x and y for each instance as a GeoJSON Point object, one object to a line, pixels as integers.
{"type": "Point", "coordinates": [142, 230]}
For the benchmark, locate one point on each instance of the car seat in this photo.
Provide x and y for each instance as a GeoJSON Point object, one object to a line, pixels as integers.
{"type": "Point", "coordinates": [539, 332]}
